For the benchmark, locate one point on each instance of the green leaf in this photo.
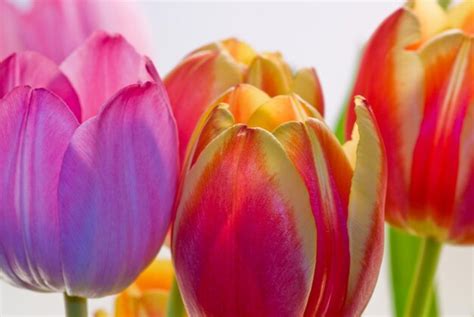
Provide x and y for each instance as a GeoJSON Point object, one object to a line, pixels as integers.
{"type": "Point", "coordinates": [404, 250]}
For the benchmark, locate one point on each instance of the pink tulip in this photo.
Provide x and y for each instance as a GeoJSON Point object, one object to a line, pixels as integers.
{"type": "Point", "coordinates": [56, 27]}
{"type": "Point", "coordinates": [84, 207]}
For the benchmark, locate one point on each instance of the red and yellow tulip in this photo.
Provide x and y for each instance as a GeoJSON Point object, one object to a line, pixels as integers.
{"type": "Point", "coordinates": [418, 74]}
{"type": "Point", "coordinates": [273, 219]}
{"type": "Point", "coordinates": [212, 69]}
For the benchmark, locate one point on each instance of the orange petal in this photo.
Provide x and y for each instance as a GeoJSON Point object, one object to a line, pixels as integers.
{"type": "Point", "coordinates": [158, 275]}
{"type": "Point", "coordinates": [194, 84]}
{"type": "Point", "coordinates": [396, 102]}
{"type": "Point", "coordinates": [281, 109]}
{"type": "Point", "coordinates": [127, 304]}
{"type": "Point", "coordinates": [306, 84]}
{"type": "Point", "coordinates": [319, 158]}
{"type": "Point", "coordinates": [221, 266]}
{"type": "Point", "coordinates": [449, 76]}
{"type": "Point", "coordinates": [239, 50]}
{"type": "Point", "coordinates": [154, 303]}
{"type": "Point", "coordinates": [269, 73]}
{"type": "Point", "coordinates": [461, 16]}
{"type": "Point", "coordinates": [243, 100]}
{"type": "Point", "coordinates": [366, 212]}
{"type": "Point", "coordinates": [218, 121]}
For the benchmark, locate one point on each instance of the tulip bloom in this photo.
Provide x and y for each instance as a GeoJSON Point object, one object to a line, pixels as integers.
{"type": "Point", "coordinates": [272, 219]}
{"type": "Point", "coordinates": [55, 28]}
{"type": "Point", "coordinates": [148, 295]}
{"type": "Point", "coordinates": [418, 73]}
{"type": "Point", "coordinates": [210, 70]}
{"type": "Point", "coordinates": [84, 207]}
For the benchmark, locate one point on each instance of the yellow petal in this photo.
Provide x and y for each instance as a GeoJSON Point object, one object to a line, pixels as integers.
{"type": "Point", "coordinates": [307, 85]}
{"type": "Point", "coordinates": [366, 211]}
{"type": "Point", "coordinates": [269, 74]}
{"type": "Point", "coordinates": [243, 100]}
{"type": "Point", "coordinates": [281, 109]}
{"type": "Point", "coordinates": [432, 17]}
{"type": "Point", "coordinates": [154, 303]}
{"type": "Point", "coordinates": [158, 275]}
{"type": "Point", "coordinates": [239, 50]}
{"type": "Point", "coordinates": [461, 16]}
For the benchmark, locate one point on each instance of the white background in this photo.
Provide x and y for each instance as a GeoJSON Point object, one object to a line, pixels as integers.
{"type": "Point", "coordinates": [327, 35]}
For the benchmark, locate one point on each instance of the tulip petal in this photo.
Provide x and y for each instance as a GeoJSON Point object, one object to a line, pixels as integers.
{"type": "Point", "coordinates": [35, 70]}
{"type": "Point", "coordinates": [158, 275]}
{"type": "Point", "coordinates": [366, 212]}
{"type": "Point", "coordinates": [9, 30]}
{"type": "Point", "coordinates": [270, 74]}
{"type": "Point", "coordinates": [306, 84]}
{"type": "Point", "coordinates": [319, 158]}
{"type": "Point", "coordinates": [103, 65]}
{"type": "Point", "coordinates": [35, 128]}
{"type": "Point", "coordinates": [218, 121]}
{"type": "Point", "coordinates": [281, 109]}
{"type": "Point", "coordinates": [431, 16]}
{"type": "Point", "coordinates": [55, 28]}
{"type": "Point", "coordinates": [449, 64]}
{"type": "Point", "coordinates": [462, 16]}
{"type": "Point", "coordinates": [240, 51]}
{"type": "Point", "coordinates": [119, 173]}
{"type": "Point", "coordinates": [396, 102]}
{"type": "Point", "coordinates": [243, 100]}
{"type": "Point", "coordinates": [244, 186]}
{"type": "Point", "coordinates": [194, 84]}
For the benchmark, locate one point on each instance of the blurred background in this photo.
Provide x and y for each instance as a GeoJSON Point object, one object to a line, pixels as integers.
{"type": "Point", "coordinates": [328, 35]}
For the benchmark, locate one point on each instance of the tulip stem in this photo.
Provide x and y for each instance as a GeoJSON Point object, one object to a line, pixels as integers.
{"type": "Point", "coordinates": [75, 306]}
{"type": "Point", "coordinates": [175, 302]}
{"type": "Point", "coordinates": [419, 297]}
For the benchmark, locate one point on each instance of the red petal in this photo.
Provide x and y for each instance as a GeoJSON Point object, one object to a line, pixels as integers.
{"type": "Point", "coordinates": [244, 236]}
{"type": "Point", "coordinates": [194, 84]}
{"type": "Point", "coordinates": [322, 163]}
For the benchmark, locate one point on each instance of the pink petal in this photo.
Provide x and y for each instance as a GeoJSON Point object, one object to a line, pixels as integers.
{"type": "Point", "coordinates": [37, 71]}
{"type": "Point", "coordinates": [55, 28]}
{"type": "Point", "coordinates": [101, 67]}
{"type": "Point", "coordinates": [116, 192]}
{"type": "Point", "coordinates": [35, 129]}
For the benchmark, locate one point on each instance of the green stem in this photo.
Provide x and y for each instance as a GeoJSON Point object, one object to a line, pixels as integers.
{"type": "Point", "coordinates": [420, 296]}
{"type": "Point", "coordinates": [175, 302]}
{"type": "Point", "coordinates": [75, 306]}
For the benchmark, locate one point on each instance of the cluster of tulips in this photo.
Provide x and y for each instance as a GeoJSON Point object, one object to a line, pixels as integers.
{"type": "Point", "coordinates": [267, 212]}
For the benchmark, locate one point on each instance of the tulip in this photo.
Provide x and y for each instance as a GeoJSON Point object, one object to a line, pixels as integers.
{"type": "Point", "coordinates": [84, 207]}
{"type": "Point", "coordinates": [272, 219]}
{"type": "Point", "coordinates": [148, 295]}
{"type": "Point", "coordinates": [55, 28]}
{"type": "Point", "coordinates": [210, 70]}
{"type": "Point", "coordinates": [417, 72]}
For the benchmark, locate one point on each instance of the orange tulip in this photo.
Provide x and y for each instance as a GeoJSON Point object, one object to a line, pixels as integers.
{"type": "Point", "coordinates": [148, 295]}
{"type": "Point", "coordinates": [273, 219]}
{"type": "Point", "coordinates": [417, 72]}
{"type": "Point", "coordinates": [210, 70]}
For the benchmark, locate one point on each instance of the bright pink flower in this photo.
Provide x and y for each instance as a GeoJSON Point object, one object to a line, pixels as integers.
{"type": "Point", "coordinates": [56, 27]}
{"type": "Point", "coordinates": [84, 207]}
